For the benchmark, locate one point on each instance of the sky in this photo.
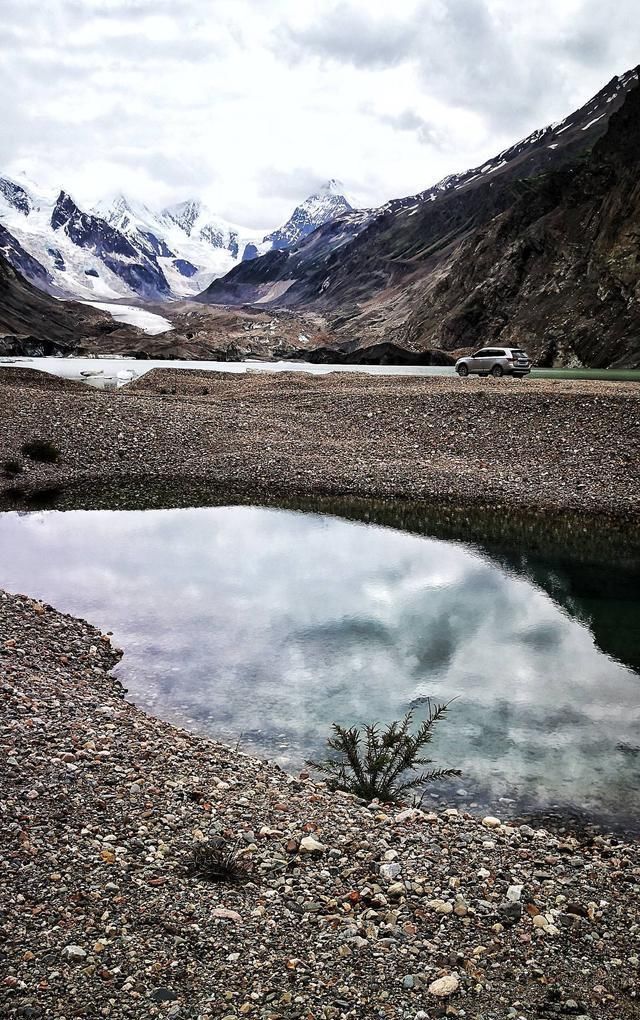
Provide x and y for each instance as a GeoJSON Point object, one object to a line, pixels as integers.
{"type": "Point", "coordinates": [251, 104]}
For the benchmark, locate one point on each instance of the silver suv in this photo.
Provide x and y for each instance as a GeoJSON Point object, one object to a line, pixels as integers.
{"type": "Point", "coordinates": [495, 361]}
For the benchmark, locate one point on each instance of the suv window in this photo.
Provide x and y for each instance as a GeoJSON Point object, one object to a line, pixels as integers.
{"type": "Point", "coordinates": [494, 352]}
{"type": "Point", "coordinates": [481, 354]}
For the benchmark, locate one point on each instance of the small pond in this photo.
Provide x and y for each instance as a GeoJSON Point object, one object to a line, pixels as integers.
{"type": "Point", "coordinates": [261, 626]}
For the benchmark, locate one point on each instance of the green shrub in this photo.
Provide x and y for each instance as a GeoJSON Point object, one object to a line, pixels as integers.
{"type": "Point", "coordinates": [41, 450]}
{"type": "Point", "coordinates": [373, 763]}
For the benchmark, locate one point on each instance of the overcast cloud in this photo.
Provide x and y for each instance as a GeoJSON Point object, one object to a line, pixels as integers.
{"type": "Point", "coordinates": [251, 103]}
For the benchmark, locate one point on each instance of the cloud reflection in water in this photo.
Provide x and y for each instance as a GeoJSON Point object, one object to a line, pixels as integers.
{"type": "Point", "coordinates": [273, 624]}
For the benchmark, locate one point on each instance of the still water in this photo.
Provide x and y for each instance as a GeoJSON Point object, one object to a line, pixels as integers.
{"type": "Point", "coordinates": [262, 626]}
{"type": "Point", "coordinates": [112, 373]}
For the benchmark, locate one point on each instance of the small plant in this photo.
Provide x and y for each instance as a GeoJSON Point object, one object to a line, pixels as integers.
{"type": "Point", "coordinates": [42, 450]}
{"type": "Point", "coordinates": [372, 763]}
{"type": "Point", "coordinates": [216, 861]}
{"type": "Point", "coordinates": [12, 467]}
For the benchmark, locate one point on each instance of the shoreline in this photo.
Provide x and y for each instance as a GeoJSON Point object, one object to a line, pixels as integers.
{"type": "Point", "coordinates": [347, 909]}
{"type": "Point", "coordinates": [541, 446]}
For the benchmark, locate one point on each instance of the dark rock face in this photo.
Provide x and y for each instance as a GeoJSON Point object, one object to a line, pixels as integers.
{"type": "Point", "coordinates": [250, 252]}
{"type": "Point", "coordinates": [185, 268]}
{"type": "Point", "coordinates": [139, 271]}
{"type": "Point", "coordinates": [91, 272]}
{"type": "Point", "coordinates": [15, 195]}
{"type": "Point", "coordinates": [376, 354]}
{"type": "Point", "coordinates": [21, 260]}
{"type": "Point", "coordinates": [26, 346]}
{"type": "Point", "coordinates": [58, 259]}
{"type": "Point", "coordinates": [537, 248]}
{"type": "Point", "coordinates": [155, 245]}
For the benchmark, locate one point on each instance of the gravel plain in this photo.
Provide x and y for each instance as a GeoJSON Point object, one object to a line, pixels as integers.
{"type": "Point", "coordinates": [341, 909]}
{"type": "Point", "coordinates": [539, 444]}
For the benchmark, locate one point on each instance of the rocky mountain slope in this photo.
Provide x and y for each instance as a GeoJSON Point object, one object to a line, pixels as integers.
{"type": "Point", "coordinates": [124, 249]}
{"type": "Point", "coordinates": [34, 323]}
{"type": "Point", "coordinates": [535, 247]}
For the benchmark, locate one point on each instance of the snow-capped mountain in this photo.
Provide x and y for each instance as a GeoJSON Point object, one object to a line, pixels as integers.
{"type": "Point", "coordinates": [123, 249]}
{"type": "Point", "coordinates": [328, 203]}
{"type": "Point", "coordinates": [48, 239]}
{"type": "Point", "coordinates": [136, 267]}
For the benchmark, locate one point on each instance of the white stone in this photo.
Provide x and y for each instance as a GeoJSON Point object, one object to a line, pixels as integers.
{"type": "Point", "coordinates": [490, 822]}
{"type": "Point", "coordinates": [74, 953]}
{"type": "Point", "coordinates": [444, 986]}
{"type": "Point", "coordinates": [408, 815]}
{"type": "Point", "coordinates": [311, 845]}
{"type": "Point", "coordinates": [461, 907]}
{"type": "Point", "coordinates": [514, 893]}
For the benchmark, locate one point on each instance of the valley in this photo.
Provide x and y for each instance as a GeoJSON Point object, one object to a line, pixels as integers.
{"type": "Point", "coordinates": [535, 248]}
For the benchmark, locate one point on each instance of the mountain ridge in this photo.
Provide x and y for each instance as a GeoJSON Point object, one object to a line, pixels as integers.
{"type": "Point", "coordinates": [121, 248]}
{"type": "Point", "coordinates": [404, 274]}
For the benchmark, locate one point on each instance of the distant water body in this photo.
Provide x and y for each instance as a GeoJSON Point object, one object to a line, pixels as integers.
{"type": "Point", "coordinates": [111, 373]}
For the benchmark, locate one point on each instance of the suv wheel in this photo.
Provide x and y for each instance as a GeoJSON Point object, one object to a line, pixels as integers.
{"type": "Point", "coordinates": [497, 371]}
{"type": "Point", "coordinates": [463, 371]}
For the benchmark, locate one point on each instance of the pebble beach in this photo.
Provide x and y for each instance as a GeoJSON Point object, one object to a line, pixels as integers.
{"type": "Point", "coordinates": [544, 444]}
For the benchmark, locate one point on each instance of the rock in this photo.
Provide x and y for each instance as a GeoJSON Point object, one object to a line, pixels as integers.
{"type": "Point", "coordinates": [444, 986]}
{"type": "Point", "coordinates": [75, 954]}
{"type": "Point", "coordinates": [511, 911]}
{"type": "Point", "coordinates": [539, 921]}
{"type": "Point", "coordinates": [461, 907]}
{"type": "Point", "coordinates": [409, 815]}
{"type": "Point", "coordinates": [441, 906]}
{"type": "Point", "coordinates": [163, 995]}
{"type": "Point", "coordinates": [390, 871]}
{"type": "Point", "coordinates": [490, 822]}
{"type": "Point", "coordinates": [514, 893]}
{"type": "Point", "coordinates": [311, 845]}
{"type": "Point", "coordinates": [397, 889]}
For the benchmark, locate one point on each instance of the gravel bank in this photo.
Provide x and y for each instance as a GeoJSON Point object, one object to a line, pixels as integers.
{"type": "Point", "coordinates": [345, 910]}
{"type": "Point", "coordinates": [539, 444]}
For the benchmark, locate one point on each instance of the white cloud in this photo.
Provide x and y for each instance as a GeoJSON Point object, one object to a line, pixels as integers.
{"type": "Point", "coordinates": [242, 101]}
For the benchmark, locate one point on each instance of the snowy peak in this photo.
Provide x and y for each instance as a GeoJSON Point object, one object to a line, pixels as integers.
{"type": "Point", "coordinates": [123, 247]}
{"type": "Point", "coordinates": [124, 214]}
{"type": "Point", "coordinates": [134, 219]}
{"type": "Point", "coordinates": [135, 264]}
{"type": "Point", "coordinates": [325, 204]}
{"type": "Point", "coordinates": [332, 187]}
{"type": "Point", "coordinates": [184, 214]}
